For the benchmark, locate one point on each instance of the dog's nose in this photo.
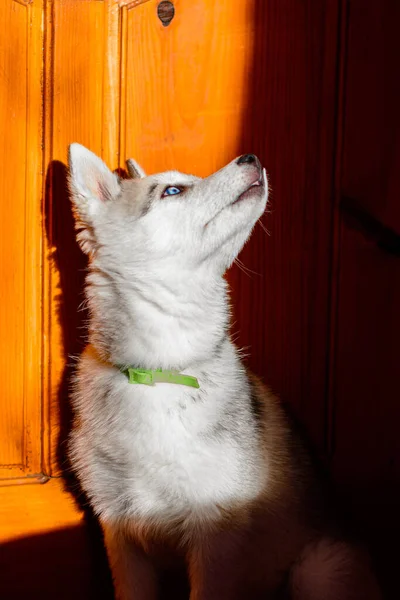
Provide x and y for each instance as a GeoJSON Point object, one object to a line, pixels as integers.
{"type": "Point", "coordinates": [247, 159]}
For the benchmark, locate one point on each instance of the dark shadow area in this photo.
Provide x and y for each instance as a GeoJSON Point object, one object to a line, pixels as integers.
{"type": "Point", "coordinates": [71, 264]}
{"type": "Point", "coordinates": [66, 564]}
{"type": "Point", "coordinates": [373, 506]}
{"type": "Point", "coordinates": [283, 312]}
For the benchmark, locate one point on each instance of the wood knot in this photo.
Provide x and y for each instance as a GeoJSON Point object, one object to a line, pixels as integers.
{"type": "Point", "coordinates": [165, 12]}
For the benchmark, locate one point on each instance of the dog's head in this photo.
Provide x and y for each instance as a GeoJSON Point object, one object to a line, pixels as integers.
{"type": "Point", "coordinates": [168, 221]}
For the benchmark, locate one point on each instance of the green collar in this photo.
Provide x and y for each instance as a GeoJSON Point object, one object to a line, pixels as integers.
{"type": "Point", "coordinates": [150, 377]}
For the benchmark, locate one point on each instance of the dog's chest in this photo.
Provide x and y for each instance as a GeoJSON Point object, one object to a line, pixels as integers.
{"type": "Point", "coordinates": [175, 460]}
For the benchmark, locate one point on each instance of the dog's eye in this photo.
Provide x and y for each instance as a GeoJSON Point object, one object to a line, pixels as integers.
{"type": "Point", "coordinates": [172, 190]}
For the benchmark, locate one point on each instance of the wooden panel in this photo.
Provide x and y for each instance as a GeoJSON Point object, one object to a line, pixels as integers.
{"type": "Point", "coordinates": [20, 242]}
{"type": "Point", "coordinates": [184, 86]}
{"type": "Point", "coordinates": [81, 105]}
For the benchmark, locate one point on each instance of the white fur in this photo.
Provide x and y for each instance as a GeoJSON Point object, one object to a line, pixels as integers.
{"type": "Point", "coordinates": [175, 466]}
{"type": "Point", "coordinates": [158, 300]}
{"type": "Point", "coordinates": [206, 469]}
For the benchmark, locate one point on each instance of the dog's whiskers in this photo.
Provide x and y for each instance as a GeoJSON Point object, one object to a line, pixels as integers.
{"type": "Point", "coordinates": [264, 228]}
{"type": "Point", "coordinates": [245, 269]}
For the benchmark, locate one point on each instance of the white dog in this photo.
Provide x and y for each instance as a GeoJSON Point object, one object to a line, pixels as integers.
{"type": "Point", "coordinates": [183, 454]}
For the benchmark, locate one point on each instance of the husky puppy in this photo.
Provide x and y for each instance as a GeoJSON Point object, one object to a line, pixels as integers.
{"type": "Point", "coordinates": [184, 454]}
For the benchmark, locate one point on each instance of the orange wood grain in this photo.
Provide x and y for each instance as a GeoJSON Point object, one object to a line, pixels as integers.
{"type": "Point", "coordinates": [30, 508]}
{"type": "Point", "coordinates": [21, 238]}
{"type": "Point", "coordinates": [184, 87]}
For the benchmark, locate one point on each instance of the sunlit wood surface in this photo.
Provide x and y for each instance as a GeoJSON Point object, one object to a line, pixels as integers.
{"type": "Point", "coordinates": [20, 238]}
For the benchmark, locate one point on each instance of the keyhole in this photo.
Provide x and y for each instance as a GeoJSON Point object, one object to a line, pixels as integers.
{"type": "Point", "coordinates": [165, 12]}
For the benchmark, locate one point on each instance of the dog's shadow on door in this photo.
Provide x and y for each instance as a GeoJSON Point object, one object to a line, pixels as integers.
{"type": "Point", "coordinates": [68, 267]}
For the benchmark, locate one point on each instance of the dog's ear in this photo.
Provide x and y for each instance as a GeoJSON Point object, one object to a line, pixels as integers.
{"type": "Point", "coordinates": [92, 184]}
{"type": "Point", "coordinates": [134, 169]}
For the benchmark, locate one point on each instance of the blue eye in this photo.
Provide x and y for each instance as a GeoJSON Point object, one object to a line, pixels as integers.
{"type": "Point", "coordinates": [172, 190]}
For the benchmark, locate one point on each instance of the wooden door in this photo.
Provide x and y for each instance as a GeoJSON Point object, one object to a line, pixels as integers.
{"type": "Point", "coordinates": [222, 78]}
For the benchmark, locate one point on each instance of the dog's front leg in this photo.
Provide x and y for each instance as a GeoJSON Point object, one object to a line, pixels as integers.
{"type": "Point", "coordinates": [133, 574]}
{"type": "Point", "coordinates": [215, 568]}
